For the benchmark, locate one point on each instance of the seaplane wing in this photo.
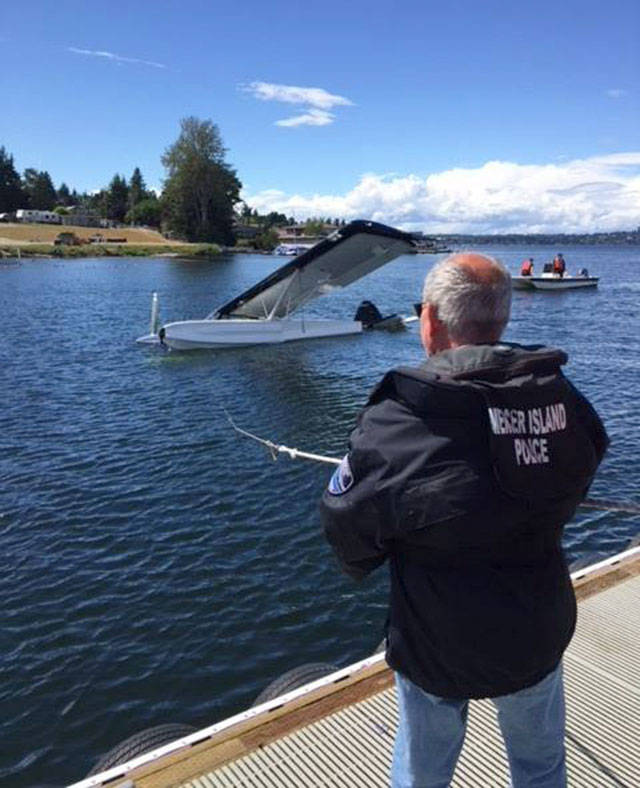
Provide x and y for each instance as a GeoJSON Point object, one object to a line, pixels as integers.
{"type": "Point", "coordinates": [345, 256]}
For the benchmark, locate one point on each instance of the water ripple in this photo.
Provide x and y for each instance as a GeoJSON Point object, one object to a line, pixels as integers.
{"type": "Point", "coordinates": [158, 567]}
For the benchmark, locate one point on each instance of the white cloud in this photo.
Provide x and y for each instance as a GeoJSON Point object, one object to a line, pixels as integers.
{"type": "Point", "coordinates": [291, 94]}
{"type": "Point", "coordinates": [600, 193]}
{"type": "Point", "coordinates": [314, 117]}
{"type": "Point", "coordinates": [115, 58]}
{"type": "Point", "coordinates": [315, 102]}
{"type": "Point", "coordinates": [616, 93]}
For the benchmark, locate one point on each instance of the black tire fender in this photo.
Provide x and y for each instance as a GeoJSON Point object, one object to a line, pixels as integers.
{"type": "Point", "coordinates": [294, 678]}
{"type": "Point", "coordinates": [139, 743]}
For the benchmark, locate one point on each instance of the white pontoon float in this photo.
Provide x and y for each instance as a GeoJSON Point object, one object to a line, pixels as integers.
{"type": "Point", "coordinates": [262, 314]}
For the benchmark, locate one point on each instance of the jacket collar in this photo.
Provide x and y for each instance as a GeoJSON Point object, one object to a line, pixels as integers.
{"type": "Point", "coordinates": [445, 381]}
{"type": "Point", "coordinates": [496, 363]}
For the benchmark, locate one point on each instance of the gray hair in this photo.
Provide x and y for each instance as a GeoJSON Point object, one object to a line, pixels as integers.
{"type": "Point", "coordinates": [474, 307]}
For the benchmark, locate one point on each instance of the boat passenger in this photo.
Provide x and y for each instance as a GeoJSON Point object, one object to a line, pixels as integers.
{"type": "Point", "coordinates": [526, 269]}
{"type": "Point", "coordinates": [559, 265]}
{"type": "Point", "coordinates": [456, 474]}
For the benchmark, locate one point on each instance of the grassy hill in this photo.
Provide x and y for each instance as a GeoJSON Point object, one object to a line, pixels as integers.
{"type": "Point", "coordinates": [37, 240]}
{"type": "Point", "coordinates": [24, 234]}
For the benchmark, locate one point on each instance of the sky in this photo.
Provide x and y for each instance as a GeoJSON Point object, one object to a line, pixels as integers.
{"type": "Point", "coordinates": [462, 116]}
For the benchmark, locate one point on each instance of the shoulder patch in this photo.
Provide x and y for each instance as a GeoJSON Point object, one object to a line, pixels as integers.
{"type": "Point", "coordinates": [342, 478]}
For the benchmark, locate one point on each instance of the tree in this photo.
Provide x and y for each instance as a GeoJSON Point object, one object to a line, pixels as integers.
{"type": "Point", "coordinates": [115, 199]}
{"type": "Point", "coordinates": [11, 194]}
{"type": "Point", "coordinates": [147, 212]}
{"type": "Point", "coordinates": [275, 219]}
{"type": "Point", "coordinates": [137, 189]}
{"type": "Point", "coordinates": [29, 186]}
{"type": "Point", "coordinates": [201, 188]}
{"type": "Point", "coordinates": [97, 201]}
{"type": "Point", "coordinates": [39, 190]}
{"type": "Point", "coordinates": [314, 227]}
{"type": "Point", "coordinates": [266, 241]}
{"type": "Point", "coordinates": [63, 195]}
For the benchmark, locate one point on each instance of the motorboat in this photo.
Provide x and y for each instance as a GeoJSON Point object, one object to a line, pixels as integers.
{"type": "Point", "coordinates": [431, 247]}
{"type": "Point", "coordinates": [291, 250]}
{"type": "Point", "coordinates": [263, 313]}
{"type": "Point", "coordinates": [550, 281]}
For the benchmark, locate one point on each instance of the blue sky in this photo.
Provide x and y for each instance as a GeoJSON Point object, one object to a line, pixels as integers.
{"type": "Point", "coordinates": [478, 116]}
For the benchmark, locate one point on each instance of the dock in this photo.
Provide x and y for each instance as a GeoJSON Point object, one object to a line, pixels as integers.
{"type": "Point", "coordinates": [339, 730]}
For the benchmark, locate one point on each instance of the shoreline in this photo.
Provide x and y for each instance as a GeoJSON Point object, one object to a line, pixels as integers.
{"type": "Point", "coordinates": [50, 251]}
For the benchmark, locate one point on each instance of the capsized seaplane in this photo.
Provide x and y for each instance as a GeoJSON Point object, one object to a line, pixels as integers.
{"type": "Point", "coordinates": [262, 314]}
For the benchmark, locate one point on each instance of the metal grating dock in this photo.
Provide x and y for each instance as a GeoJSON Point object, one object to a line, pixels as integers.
{"type": "Point", "coordinates": [351, 748]}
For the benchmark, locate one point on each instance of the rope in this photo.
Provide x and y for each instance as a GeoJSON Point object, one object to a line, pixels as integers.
{"type": "Point", "coordinates": [628, 507]}
{"type": "Point", "coordinates": [612, 506]}
{"type": "Point", "coordinates": [278, 448]}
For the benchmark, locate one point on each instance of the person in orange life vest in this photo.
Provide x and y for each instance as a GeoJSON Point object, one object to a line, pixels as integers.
{"type": "Point", "coordinates": [526, 269]}
{"type": "Point", "coordinates": [559, 266]}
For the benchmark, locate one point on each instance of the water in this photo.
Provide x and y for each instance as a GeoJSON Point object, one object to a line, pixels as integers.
{"type": "Point", "coordinates": [157, 567]}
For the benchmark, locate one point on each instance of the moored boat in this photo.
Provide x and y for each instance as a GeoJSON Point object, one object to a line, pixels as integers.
{"type": "Point", "coordinates": [291, 250]}
{"type": "Point", "coordinates": [553, 282]}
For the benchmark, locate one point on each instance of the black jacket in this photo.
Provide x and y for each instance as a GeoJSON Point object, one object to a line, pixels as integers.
{"type": "Point", "coordinates": [463, 473]}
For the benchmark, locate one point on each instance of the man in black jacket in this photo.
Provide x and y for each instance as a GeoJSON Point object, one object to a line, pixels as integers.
{"type": "Point", "coordinates": [462, 473]}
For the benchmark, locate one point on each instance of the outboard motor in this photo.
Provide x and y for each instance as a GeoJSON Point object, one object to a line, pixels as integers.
{"type": "Point", "coordinates": [368, 314]}
{"type": "Point", "coordinates": [584, 272]}
{"type": "Point", "coordinates": [370, 317]}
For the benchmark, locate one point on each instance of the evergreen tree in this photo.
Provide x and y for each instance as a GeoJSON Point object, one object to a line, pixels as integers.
{"type": "Point", "coordinates": [11, 195]}
{"type": "Point", "coordinates": [137, 188]}
{"type": "Point", "coordinates": [115, 198]}
{"type": "Point", "coordinates": [63, 195]}
{"type": "Point", "coordinates": [46, 191]}
{"type": "Point", "coordinates": [39, 190]}
{"type": "Point", "coordinates": [201, 189]}
{"type": "Point", "coordinates": [29, 186]}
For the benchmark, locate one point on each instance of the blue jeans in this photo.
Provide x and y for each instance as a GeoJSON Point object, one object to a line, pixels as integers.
{"type": "Point", "coordinates": [431, 732]}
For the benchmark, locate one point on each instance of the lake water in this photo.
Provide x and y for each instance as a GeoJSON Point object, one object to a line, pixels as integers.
{"type": "Point", "coordinates": [157, 567]}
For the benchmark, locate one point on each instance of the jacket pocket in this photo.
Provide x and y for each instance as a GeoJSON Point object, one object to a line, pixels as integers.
{"type": "Point", "coordinates": [451, 490]}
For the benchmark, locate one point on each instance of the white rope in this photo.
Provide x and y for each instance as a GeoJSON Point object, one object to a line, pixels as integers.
{"type": "Point", "coordinates": [279, 448]}
{"type": "Point", "coordinates": [295, 454]}
{"type": "Point", "coordinates": [612, 506]}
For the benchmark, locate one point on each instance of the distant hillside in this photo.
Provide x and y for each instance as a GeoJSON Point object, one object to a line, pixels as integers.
{"type": "Point", "coordinates": [627, 238]}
